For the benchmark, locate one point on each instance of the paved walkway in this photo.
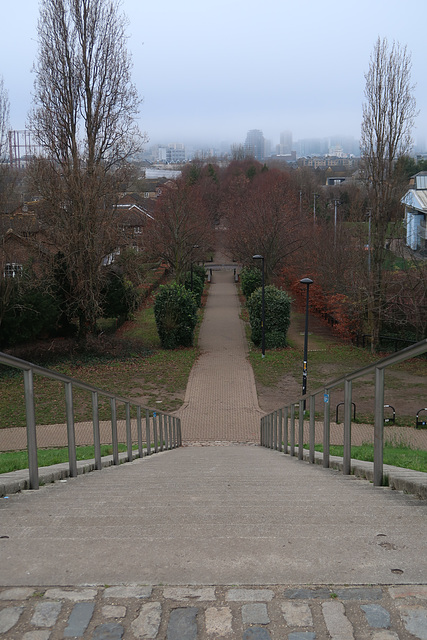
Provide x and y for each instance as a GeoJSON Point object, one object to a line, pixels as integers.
{"type": "Point", "coordinates": [221, 402]}
{"type": "Point", "coordinates": [211, 542]}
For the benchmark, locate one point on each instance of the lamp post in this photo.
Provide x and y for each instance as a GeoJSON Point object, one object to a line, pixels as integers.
{"type": "Point", "coordinates": [315, 195]}
{"type": "Point", "coordinates": [336, 202]}
{"type": "Point", "coordinates": [258, 257]}
{"type": "Point", "coordinates": [307, 282]}
{"type": "Point", "coordinates": [195, 246]}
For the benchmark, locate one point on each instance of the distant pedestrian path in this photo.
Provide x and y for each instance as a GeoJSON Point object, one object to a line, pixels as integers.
{"type": "Point", "coordinates": [221, 401]}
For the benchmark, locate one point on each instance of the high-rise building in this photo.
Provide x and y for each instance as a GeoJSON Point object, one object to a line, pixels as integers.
{"type": "Point", "coordinates": [285, 147]}
{"type": "Point", "coordinates": [254, 144]}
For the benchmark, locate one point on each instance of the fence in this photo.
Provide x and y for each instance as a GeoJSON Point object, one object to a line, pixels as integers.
{"type": "Point", "coordinates": [278, 429]}
{"type": "Point", "coordinates": [139, 424]}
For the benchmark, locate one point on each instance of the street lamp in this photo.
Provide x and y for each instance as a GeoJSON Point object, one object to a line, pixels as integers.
{"type": "Point", "coordinates": [195, 246]}
{"type": "Point", "coordinates": [258, 257]}
{"type": "Point", "coordinates": [315, 195]}
{"type": "Point", "coordinates": [337, 202]}
{"type": "Point", "coordinates": [307, 282]}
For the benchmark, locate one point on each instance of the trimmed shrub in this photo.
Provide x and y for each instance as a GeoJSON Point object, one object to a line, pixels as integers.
{"type": "Point", "coordinates": [251, 279]}
{"type": "Point", "coordinates": [277, 316]}
{"type": "Point", "coordinates": [120, 297]}
{"type": "Point", "coordinates": [30, 312]}
{"type": "Point", "coordinates": [175, 312]}
{"type": "Point", "coordinates": [198, 286]}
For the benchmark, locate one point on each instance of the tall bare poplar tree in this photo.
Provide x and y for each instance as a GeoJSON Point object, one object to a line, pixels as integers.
{"type": "Point", "coordinates": [84, 119]}
{"type": "Point", "coordinates": [388, 117]}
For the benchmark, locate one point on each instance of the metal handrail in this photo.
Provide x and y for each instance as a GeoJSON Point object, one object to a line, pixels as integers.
{"type": "Point", "coordinates": [160, 425]}
{"type": "Point", "coordinates": [270, 427]}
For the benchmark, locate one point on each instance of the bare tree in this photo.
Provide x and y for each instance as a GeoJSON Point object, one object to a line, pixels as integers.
{"type": "Point", "coordinates": [6, 174]}
{"type": "Point", "coordinates": [181, 231]}
{"type": "Point", "coordinates": [263, 219]}
{"type": "Point", "coordinates": [84, 119]}
{"type": "Point", "coordinates": [4, 120]}
{"type": "Point", "coordinates": [388, 117]}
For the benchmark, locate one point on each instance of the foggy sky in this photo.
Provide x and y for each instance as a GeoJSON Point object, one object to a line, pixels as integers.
{"type": "Point", "coordinates": [209, 72]}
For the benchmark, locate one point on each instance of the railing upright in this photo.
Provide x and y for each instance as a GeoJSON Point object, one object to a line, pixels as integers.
{"type": "Point", "coordinates": [301, 430]}
{"type": "Point", "coordinates": [285, 430]}
{"type": "Point", "coordinates": [155, 434]}
{"type": "Point", "coordinates": [275, 431]}
{"type": "Point", "coordinates": [69, 408]}
{"type": "Point", "coordinates": [292, 438]}
{"type": "Point", "coordinates": [128, 432]}
{"type": "Point", "coordinates": [96, 435]}
{"type": "Point", "coordinates": [326, 428]}
{"type": "Point", "coordinates": [280, 432]}
{"type": "Point", "coordinates": [148, 431]}
{"type": "Point", "coordinates": [139, 431]}
{"type": "Point", "coordinates": [33, 467]}
{"type": "Point", "coordinates": [347, 428]}
{"type": "Point", "coordinates": [379, 426]}
{"type": "Point", "coordinates": [312, 428]}
{"type": "Point", "coordinates": [114, 436]}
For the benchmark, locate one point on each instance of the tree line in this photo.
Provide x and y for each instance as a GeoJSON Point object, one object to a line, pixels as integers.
{"type": "Point", "coordinates": [84, 118]}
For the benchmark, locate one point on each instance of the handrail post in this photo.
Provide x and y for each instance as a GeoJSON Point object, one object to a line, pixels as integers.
{"type": "Point", "coordinates": [285, 430]}
{"type": "Point", "coordinates": [155, 436]}
{"type": "Point", "coordinates": [275, 430]}
{"type": "Point", "coordinates": [301, 430]}
{"type": "Point", "coordinates": [326, 429]}
{"type": "Point", "coordinates": [139, 431]}
{"type": "Point", "coordinates": [280, 433]}
{"type": "Point", "coordinates": [96, 435]}
{"type": "Point", "coordinates": [379, 427]}
{"type": "Point", "coordinates": [114, 437]}
{"type": "Point", "coordinates": [347, 428]}
{"type": "Point", "coordinates": [147, 431]}
{"type": "Point", "coordinates": [165, 425]}
{"type": "Point", "coordinates": [171, 440]}
{"type": "Point", "coordinates": [292, 448]}
{"type": "Point", "coordinates": [71, 436]}
{"type": "Point", "coordinates": [174, 433]}
{"type": "Point", "coordinates": [312, 428]}
{"type": "Point", "coordinates": [161, 435]}
{"type": "Point", "coordinates": [179, 433]}
{"type": "Point", "coordinates": [128, 433]}
{"type": "Point", "coordinates": [261, 432]}
{"type": "Point", "coordinates": [33, 467]}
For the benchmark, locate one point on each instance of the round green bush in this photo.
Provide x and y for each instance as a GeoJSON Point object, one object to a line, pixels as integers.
{"type": "Point", "coordinates": [277, 316]}
{"type": "Point", "coordinates": [251, 279]}
{"type": "Point", "coordinates": [175, 312]}
{"type": "Point", "coordinates": [198, 286]}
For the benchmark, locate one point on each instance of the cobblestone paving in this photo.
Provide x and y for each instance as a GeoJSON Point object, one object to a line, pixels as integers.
{"type": "Point", "coordinates": [214, 613]}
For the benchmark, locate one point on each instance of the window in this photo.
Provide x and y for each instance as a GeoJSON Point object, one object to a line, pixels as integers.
{"type": "Point", "coordinates": [12, 270]}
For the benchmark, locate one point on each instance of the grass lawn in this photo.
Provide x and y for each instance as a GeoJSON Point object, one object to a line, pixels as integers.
{"type": "Point", "coordinates": [14, 460]}
{"type": "Point", "coordinates": [394, 455]}
{"type": "Point", "coordinates": [144, 370]}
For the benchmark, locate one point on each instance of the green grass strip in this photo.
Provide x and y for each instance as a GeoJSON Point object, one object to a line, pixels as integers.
{"type": "Point", "coordinates": [394, 454]}
{"type": "Point", "coordinates": [15, 460]}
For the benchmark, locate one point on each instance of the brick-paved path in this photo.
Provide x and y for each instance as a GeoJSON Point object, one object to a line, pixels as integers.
{"type": "Point", "coordinates": [221, 401]}
{"type": "Point", "coordinates": [212, 613]}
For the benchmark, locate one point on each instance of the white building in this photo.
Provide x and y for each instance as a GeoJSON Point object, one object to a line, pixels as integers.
{"type": "Point", "coordinates": [415, 201]}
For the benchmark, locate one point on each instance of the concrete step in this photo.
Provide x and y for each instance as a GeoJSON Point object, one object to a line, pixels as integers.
{"type": "Point", "coordinates": [213, 515]}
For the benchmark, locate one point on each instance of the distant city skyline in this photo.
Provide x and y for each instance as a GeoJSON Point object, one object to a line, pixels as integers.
{"type": "Point", "coordinates": [209, 73]}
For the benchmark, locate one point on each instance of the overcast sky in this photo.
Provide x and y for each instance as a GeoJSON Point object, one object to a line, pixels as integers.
{"type": "Point", "coordinates": [210, 71]}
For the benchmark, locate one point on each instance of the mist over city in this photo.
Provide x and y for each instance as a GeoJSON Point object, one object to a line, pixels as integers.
{"type": "Point", "coordinates": [208, 74]}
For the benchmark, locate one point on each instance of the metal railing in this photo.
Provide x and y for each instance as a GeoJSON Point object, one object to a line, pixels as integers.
{"type": "Point", "coordinates": [278, 429]}
{"type": "Point", "coordinates": [161, 430]}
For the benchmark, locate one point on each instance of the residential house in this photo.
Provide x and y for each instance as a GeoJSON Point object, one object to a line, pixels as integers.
{"type": "Point", "coordinates": [415, 201]}
{"type": "Point", "coordinates": [22, 239]}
